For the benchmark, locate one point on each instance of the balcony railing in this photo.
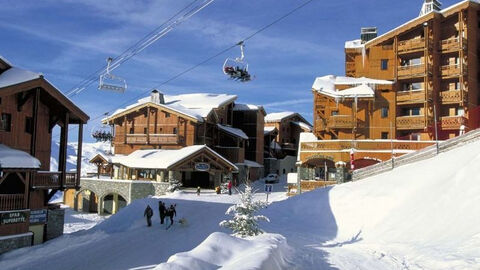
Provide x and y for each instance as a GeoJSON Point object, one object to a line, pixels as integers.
{"type": "Point", "coordinates": [411, 71]}
{"type": "Point", "coordinates": [452, 44]}
{"type": "Point", "coordinates": [410, 122]}
{"type": "Point", "coordinates": [411, 45]}
{"type": "Point", "coordinates": [341, 121]}
{"type": "Point", "coordinates": [164, 139]}
{"type": "Point", "coordinates": [136, 138]}
{"type": "Point", "coordinates": [454, 70]}
{"type": "Point", "coordinates": [451, 96]}
{"type": "Point", "coordinates": [373, 145]}
{"type": "Point", "coordinates": [349, 65]}
{"type": "Point", "coordinates": [452, 122]}
{"type": "Point", "coordinates": [12, 202]}
{"type": "Point", "coordinates": [52, 180]}
{"type": "Point", "coordinates": [411, 97]}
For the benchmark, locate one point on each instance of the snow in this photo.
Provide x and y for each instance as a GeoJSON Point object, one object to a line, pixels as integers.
{"type": "Point", "coordinates": [251, 164]}
{"type": "Point", "coordinates": [5, 60]}
{"type": "Point", "coordinates": [277, 117]}
{"type": "Point", "coordinates": [198, 105]}
{"type": "Point", "coordinates": [162, 159]}
{"type": "Point", "coordinates": [328, 82]}
{"type": "Point", "coordinates": [16, 75]}
{"type": "Point", "coordinates": [303, 125]}
{"type": "Point", "coordinates": [354, 44]}
{"type": "Point", "coordinates": [75, 221]}
{"type": "Point", "coordinates": [245, 107]}
{"type": "Point", "coordinates": [89, 150]}
{"type": "Point", "coordinates": [418, 216]}
{"type": "Point", "coordinates": [268, 130]}
{"type": "Point", "coordinates": [12, 158]}
{"type": "Point", "coordinates": [234, 131]}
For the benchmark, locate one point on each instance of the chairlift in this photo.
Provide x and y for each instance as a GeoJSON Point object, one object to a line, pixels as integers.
{"type": "Point", "coordinates": [102, 133]}
{"type": "Point", "coordinates": [237, 68]}
{"type": "Point", "coordinates": [111, 82]}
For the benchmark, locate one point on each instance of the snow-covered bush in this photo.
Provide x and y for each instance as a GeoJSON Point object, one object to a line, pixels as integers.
{"type": "Point", "coordinates": [174, 185]}
{"type": "Point", "coordinates": [244, 222]}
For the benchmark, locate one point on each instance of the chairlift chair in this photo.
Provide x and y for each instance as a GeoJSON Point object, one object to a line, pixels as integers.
{"type": "Point", "coordinates": [110, 82]}
{"type": "Point", "coordinates": [102, 133]}
{"type": "Point", "coordinates": [237, 68]}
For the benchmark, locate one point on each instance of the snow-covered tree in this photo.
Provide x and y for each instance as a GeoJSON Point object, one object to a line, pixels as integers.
{"type": "Point", "coordinates": [173, 185]}
{"type": "Point", "coordinates": [244, 222]}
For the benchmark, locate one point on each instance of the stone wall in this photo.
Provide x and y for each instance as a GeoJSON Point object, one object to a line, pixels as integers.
{"type": "Point", "coordinates": [8, 243]}
{"type": "Point", "coordinates": [55, 221]}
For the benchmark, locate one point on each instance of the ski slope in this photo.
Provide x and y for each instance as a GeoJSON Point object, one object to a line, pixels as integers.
{"type": "Point", "coordinates": [419, 216]}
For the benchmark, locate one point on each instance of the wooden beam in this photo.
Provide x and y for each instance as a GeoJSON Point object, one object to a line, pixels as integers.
{"type": "Point", "coordinates": [79, 154]}
{"type": "Point", "coordinates": [125, 129]}
{"type": "Point", "coordinates": [148, 124]}
{"type": "Point", "coordinates": [22, 98]}
{"type": "Point", "coordinates": [33, 139]}
{"type": "Point", "coordinates": [53, 120]}
{"type": "Point", "coordinates": [62, 160]}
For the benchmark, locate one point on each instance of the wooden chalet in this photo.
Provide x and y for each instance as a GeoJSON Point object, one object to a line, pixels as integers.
{"type": "Point", "coordinates": [30, 107]}
{"type": "Point", "coordinates": [250, 119]}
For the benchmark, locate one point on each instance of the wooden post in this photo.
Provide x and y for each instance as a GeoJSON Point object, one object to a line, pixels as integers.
{"type": "Point", "coordinates": [79, 154]}
{"type": "Point", "coordinates": [148, 125]}
{"type": "Point", "coordinates": [33, 140]}
{"type": "Point", "coordinates": [125, 129]}
{"type": "Point", "coordinates": [62, 160]}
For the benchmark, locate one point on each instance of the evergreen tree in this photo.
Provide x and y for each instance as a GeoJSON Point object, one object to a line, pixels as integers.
{"type": "Point", "coordinates": [244, 222]}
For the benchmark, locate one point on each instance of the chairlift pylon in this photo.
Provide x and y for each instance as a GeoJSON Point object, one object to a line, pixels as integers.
{"type": "Point", "coordinates": [237, 68]}
{"type": "Point", "coordinates": [110, 82]}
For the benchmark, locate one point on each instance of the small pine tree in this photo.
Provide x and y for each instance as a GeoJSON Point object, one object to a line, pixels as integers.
{"type": "Point", "coordinates": [244, 222]}
{"type": "Point", "coordinates": [174, 184]}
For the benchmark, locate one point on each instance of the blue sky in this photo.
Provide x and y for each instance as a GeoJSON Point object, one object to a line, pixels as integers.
{"type": "Point", "coordinates": [68, 39]}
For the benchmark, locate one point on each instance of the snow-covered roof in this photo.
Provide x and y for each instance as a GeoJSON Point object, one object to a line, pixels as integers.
{"type": "Point", "coordinates": [198, 105]}
{"type": "Point", "coordinates": [362, 87]}
{"type": "Point", "coordinates": [5, 60]}
{"type": "Point", "coordinates": [16, 75]}
{"type": "Point", "coordinates": [251, 164]}
{"type": "Point", "coordinates": [234, 131]}
{"type": "Point", "coordinates": [245, 107]}
{"type": "Point", "coordinates": [303, 125]}
{"type": "Point", "coordinates": [354, 44]}
{"type": "Point", "coordinates": [12, 158]}
{"type": "Point", "coordinates": [277, 117]}
{"type": "Point", "coordinates": [162, 159]}
{"type": "Point", "coordinates": [268, 130]}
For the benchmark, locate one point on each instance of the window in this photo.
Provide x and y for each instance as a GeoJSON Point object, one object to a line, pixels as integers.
{"type": "Point", "coordinates": [384, 112]}
{"type": "Point", "coordinates": [174, 130]}
{"type": "Point", "coordinates": [29, 125]}
{"type": "Point", "coordinates": [384, 135]}
{"type": "Point", "coordinates": [415, 137]}
{"type": "Point", "coordinates": [131, 130]}
{"type": "Point", "coordinates": [415, 111]}
{"type": "Point", "coordinates": [144, 130]}
{"type": "Point", "coordinates": [0, 100]}
{"type": "Point", "coordinates": [167, 114]}
{"type": "Point", "coordinates": [6, 122]}
{"type": "Point", "coordinates": [460, 112]}
{"type": "Point", "coordinates": [384, 64]}
{"type": "Point", "coordinates": [334, 113]}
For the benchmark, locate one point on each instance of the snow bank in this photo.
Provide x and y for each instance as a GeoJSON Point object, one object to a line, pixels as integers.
{"type": "Point", "coordinates": [267, 251]}
{"type": "Point", "coordinates": [13, 158]}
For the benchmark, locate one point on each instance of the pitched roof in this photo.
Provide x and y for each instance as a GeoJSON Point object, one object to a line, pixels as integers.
{"type": "Point", "coordinates": [196, 106]}
{"type": "Point", "coordinates": [12, 158]}
{"type": "Point", "coordinates": [268, 130]}
{"type": "Point", "coordinates": [277, 117]}
{"type": "Point", "coordinates": [164, 159]}
{"type": "Point", "coordinates": [362, 87]}
{"type": "Point", "coordinates": [14, 75]}
{"type": "Point", "coordinates": [234, 131]}
{"type": "Point", "coordinates": [303, 125]}
{"type": "Point", "coordinates": [248, 107]}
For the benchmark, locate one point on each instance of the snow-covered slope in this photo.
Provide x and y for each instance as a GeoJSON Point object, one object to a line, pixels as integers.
{"type": "Point", "coordinates": [419, 216]}
{"type": "Point", "coordinates": [89, 150]}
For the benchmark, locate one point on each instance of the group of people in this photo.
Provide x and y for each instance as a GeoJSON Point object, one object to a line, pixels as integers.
{"type": "Point", "coordinates": [238, 74]}
{"type": "Point", "coordinates": [164, 212]}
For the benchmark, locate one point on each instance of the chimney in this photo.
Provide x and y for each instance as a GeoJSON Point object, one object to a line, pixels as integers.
{"type": "Point", "coordinates": [368, 33]}
{"type": "Point", "coordinates": [430, 6]}
{"type": "Point", "coordinates": [157, 97]}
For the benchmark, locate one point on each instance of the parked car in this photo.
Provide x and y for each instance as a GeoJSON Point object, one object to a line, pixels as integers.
{"type": "Point", "coordinates": [271, 178]}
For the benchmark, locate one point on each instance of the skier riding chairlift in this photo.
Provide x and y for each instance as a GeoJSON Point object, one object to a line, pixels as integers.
{"type": "Point", "coordinates": [237, 68]}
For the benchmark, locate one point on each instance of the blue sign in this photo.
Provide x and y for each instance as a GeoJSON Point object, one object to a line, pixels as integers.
{"type": "Point", "coordinates": [202, 166]}
{"type": "Point", "coordinates": [268, 188]}
{"type": "Point", "coordinates": [38, 216]}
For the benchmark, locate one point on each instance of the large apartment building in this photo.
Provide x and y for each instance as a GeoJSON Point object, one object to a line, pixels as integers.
{"type": "Point", "coordinates": [413, 85]}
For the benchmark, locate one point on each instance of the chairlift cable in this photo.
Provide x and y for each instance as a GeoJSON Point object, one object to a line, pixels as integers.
{"type": "Point", "coordinates": [206, 60]}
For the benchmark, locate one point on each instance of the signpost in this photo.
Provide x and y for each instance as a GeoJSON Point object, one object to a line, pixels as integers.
{"type": "Point", "coordinates": [268, 189]}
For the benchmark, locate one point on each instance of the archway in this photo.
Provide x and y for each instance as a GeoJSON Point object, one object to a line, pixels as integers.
{"type": "Point", "coordinates": [112, 203]}
{"type": "Point", "coordinates": [86, 201]}
{"type": "Point", "coordinates": [319, 168]}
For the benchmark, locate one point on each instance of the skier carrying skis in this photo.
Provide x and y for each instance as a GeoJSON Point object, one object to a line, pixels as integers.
{"type": "Point", "coordinates": [161, 209]}
{"type": "Point", "coordinates": [148, 213]}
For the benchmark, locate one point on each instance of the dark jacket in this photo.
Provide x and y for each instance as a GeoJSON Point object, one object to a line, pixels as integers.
{"type": "Point", "coordinates": [161, 208]}
{"type": "Point", "coordinates": [148, 212]}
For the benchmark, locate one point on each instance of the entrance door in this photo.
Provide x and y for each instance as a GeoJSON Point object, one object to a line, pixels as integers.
{"type": "Point", "coordinates": [201, 179]}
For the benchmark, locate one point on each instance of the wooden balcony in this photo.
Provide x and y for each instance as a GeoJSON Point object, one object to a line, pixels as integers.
{"type": "Point", "coordinates": [52, 180]}
{"type": "Point", "coordinates": [411, 122]}
{"type": "Point", "coordinates": [372, 145]}
{"type": "Point", "coordinates": [451, 96]}
{"type": "Point", "coordinates": [452, 44]}
{"type": "Point", "coordinates": [411, 45]}
{"type": "Point", "coordinates": [12, 202]}
{"type": "Point", "coordinates": [136, 138]}
{"type": "Point", "coordinates": [449, 71]}
{"type": "Point", "coordinates": [164, 139]}
{"type": "Point", "coordinates": [453, 122]}
{"type": "Point", "coordinates": [341, 121]}
{"type": "Point", "coordinates": [410, 97]}
{"type": "Point", "coordinates": [412, 71]}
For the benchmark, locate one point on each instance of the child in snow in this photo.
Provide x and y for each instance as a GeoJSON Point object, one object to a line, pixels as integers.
{"type": "Point", "coordinates": [198, 191]}
{"type": "Point", "coordinates": [148, 213]}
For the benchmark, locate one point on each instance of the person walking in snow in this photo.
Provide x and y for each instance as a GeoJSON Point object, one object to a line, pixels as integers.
{"type": "Point", "coordinates": [198, 191]}
{"type": "Point", "coordinates": [171, 212]}
{"type": "Point", "coordinates": [148, 213]}
{"type": "Point", "coordinates": [161, 210]}
{"type": "Point", "coordinates": [229, 187]}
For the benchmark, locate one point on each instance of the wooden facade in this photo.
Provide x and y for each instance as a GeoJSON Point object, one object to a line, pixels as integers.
{"type": "Point", "coordinates": [252, 122]}
{"type": "Point", "coordinates": [433, 60]}
{"type": "Point", "coordinates": [29, 110]}
{"type": "Point", "coordinates": [288, 133]}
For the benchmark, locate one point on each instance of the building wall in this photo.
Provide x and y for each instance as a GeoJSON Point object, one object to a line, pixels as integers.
{"type": "Point", "coordinates": [252, 123]}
